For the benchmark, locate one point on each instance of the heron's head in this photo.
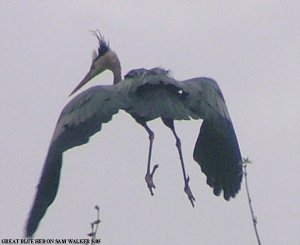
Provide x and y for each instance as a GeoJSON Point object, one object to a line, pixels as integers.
{"type": "Point", "coordinates": [103, 59]}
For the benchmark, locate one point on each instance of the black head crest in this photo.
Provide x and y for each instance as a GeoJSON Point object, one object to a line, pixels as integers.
{"type": "Point", "coordinates": [103, 47]}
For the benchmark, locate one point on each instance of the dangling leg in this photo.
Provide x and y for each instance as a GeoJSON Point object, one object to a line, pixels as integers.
{"type": "Point", "coordinates": [149, 174]}
{"type": "Point", "coordinates": [170, 124]}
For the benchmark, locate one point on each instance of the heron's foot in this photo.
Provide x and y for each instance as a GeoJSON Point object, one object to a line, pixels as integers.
{"type": "Point", "coordinates": [149, 179]}
{"type": "Point", "coordinates": [188, 191]}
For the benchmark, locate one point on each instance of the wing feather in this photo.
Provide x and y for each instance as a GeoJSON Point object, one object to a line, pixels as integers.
{"type": "Point", "coordinates": [216, 149]}
{"type": "Point", "coordinates": [81, 118]}
{"type": "Point", "coordinates": [153, 93]}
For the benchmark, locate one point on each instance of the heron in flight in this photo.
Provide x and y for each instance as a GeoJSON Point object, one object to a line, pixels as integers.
{"type": "Point", "coordinates": [145, 95]}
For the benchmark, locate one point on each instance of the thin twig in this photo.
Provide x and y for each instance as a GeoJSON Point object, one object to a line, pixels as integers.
{"type": "Point", "coordinates": [254, 218]}
{"type": "Point", "coordinates": [94, 226]}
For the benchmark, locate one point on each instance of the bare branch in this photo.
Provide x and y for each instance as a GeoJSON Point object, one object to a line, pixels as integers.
{"type": "Point", "coordinates": [94, 226]}
{"type": "Point", "coordinates": [246, 161]}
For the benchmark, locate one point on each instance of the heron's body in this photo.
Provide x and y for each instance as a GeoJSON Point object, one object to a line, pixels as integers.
{"type": "Point", "coordinates": [147, 95]}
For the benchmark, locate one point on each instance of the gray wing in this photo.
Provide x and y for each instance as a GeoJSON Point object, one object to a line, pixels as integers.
{"type": "Point", "coordinates": [155, 94]}
{"type": "Point", "coordinates": [81, 118]}
{"type": "Point", "coordinates": [216, 149]}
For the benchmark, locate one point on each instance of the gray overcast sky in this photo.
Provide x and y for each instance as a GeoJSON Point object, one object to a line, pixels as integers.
{"type": "Point", "coordinates": [250, 47]}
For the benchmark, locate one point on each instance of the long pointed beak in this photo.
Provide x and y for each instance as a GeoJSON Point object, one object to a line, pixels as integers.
{"type": "Point", "coordinates": [87, 78]}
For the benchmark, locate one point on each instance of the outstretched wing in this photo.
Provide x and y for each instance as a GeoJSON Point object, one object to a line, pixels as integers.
{"type": "Point", "coordinates": [156, 94]}
{"type": "Point", "coordinates": [216, 150]}
{"type": "Point", "coordinates": [81, 118]}
{"type": "Point", "coordinates": [146, 95]}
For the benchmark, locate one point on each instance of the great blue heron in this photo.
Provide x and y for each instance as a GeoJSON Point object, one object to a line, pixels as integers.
{"type": "Point", "coordinates": [145, 95]}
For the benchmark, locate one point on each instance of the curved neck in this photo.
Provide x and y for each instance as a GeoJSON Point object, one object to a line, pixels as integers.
{"type": "Point", "coordinates": [114, 65]}
{"type": "Point", "coordinates": [117, 73]}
